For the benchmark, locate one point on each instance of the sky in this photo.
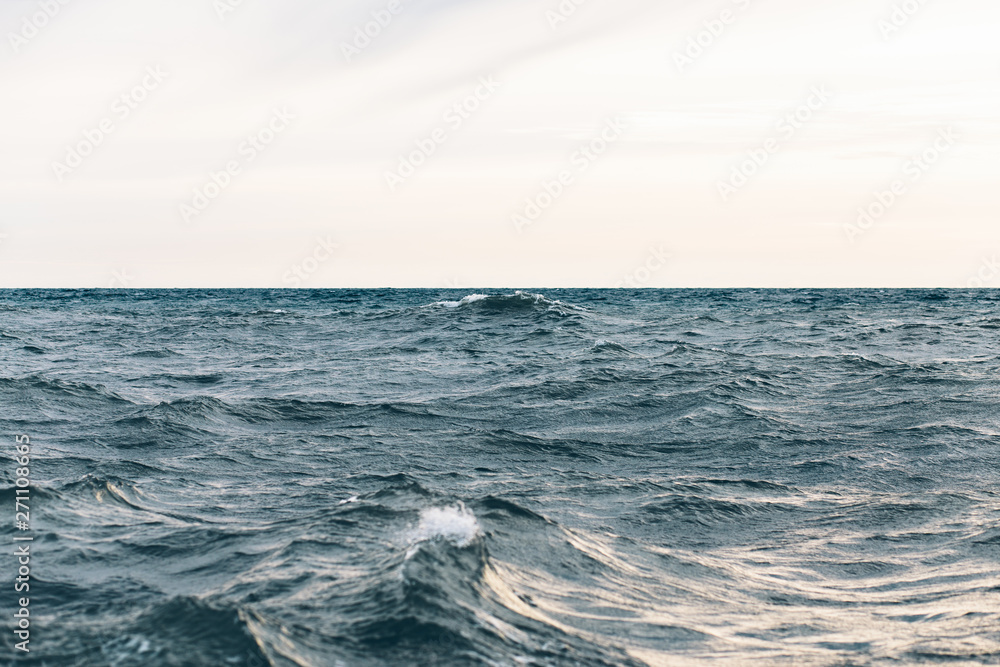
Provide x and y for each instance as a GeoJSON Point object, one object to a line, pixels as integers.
{"type": "Point", "coordinates": [499, 143]}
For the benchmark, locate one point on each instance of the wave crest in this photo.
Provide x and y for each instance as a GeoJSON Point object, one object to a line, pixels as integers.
{"type": "Point", "coordinates": [456, 524]}
{"type": "Point", "coordinates": [518, 301]}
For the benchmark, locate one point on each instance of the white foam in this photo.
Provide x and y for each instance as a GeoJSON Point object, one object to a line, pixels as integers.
{"type": "Point", "coordinates": [472, 298]}
{"type": "Point", "coordinates": [455, 523]}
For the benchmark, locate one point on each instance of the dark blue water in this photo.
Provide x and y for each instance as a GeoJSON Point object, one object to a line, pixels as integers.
{"type": "Point", "coordinates": [586, 478]}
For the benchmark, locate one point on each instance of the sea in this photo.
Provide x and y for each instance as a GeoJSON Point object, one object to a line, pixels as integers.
{"type": "Point", "coordinates": [503, 478]}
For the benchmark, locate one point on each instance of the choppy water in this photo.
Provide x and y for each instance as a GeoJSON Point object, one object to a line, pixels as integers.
{"type": "Point", "coordinates": [586, 478]}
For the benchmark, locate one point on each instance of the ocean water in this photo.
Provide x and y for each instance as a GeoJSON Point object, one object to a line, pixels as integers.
{"type": "Point", "coordinates": [446, 477]}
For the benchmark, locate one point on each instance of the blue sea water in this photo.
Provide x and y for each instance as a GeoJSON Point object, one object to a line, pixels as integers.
{"type": "Point", "coordinates": [439, 477]}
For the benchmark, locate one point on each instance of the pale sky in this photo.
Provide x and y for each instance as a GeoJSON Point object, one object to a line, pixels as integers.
{"type": "Point", "coordinates": [902, 99]}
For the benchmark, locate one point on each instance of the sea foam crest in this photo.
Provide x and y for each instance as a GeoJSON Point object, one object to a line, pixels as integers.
{"type": "Point", "coordinates": [472, 298]}
{"type": "Point", "coordinates": [456, 524]}
{"type": "Point", "coordinates": [517, 300]}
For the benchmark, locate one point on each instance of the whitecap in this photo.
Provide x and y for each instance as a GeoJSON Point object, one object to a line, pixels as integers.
{"type": "Point", "coordinates": [472, 298]}
{"type": "Point", "coordinates": [455, 523]}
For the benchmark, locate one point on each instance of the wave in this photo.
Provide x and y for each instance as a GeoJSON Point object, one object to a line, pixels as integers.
{"type": "Point", "coordinates": [101, 490]}
{"type": "Point", "coordinates": [194, 414]}
{"type": "Point", "coordinates": [268, 312]}
{"type": "Point", "coordinates": [207, 633]}
{"type": "Point", "coordinates": [161, 353]}
{"type": "Point", "coordinates": [610, 346]}
{"type": "Point", "coordinates": [519, 301]}
{"type": "Point", "coordinates": [462, 605]}
{"type": "Point", "coordinates": [702, 510]}
{"type": "Point", "coordinates": [33, 387]}
{"type": "Point", "coordinates": [465, 301]}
